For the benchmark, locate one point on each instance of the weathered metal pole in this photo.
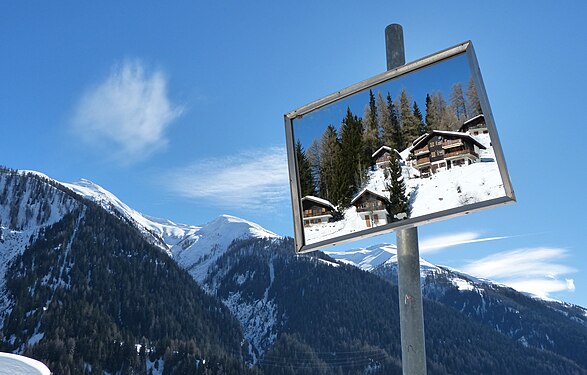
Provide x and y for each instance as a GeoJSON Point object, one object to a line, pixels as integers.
{"type": "Point", "coordinates": [408, 255]}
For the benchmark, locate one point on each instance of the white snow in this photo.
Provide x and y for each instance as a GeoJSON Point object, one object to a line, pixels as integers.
{"type": "Point", "coordinates": [161, 232]}
{"type": "Point", "coordinates": [33, 215]}
{"type": "Point", "coordinates": [371, 257]}
{"type": "Point", "coordinates": [319, 200]}
{"type": "Point", "coordinates": [195, 248]}
{"type": "Point", "coordinates": [12, 364]}
{"type": "Point", "coordinates": [462, 284]}
{"type": "Point", "coordinates": [444, 190]}
{"type": "Point", "coordinates": [211, 241]}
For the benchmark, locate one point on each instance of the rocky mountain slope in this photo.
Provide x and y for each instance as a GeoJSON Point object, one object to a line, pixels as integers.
{"type": "Point", "coordinates": [91, 285]}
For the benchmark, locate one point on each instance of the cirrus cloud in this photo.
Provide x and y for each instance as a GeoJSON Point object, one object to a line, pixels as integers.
{"type": "Point", "coordinates": [128, 113]}
{"type": "Point", "coordinates": [246, 180]}
{"type": "Point", "coordinates": [437, 243]}
{"type": "Point", "coordinates": [533, 270]}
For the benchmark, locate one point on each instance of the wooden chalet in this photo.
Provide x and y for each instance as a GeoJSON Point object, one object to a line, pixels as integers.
{"type": "Point", "coordinates": [383, 155]}
{"type": "Point", "coordinates": [316, 210]}
{"type": "Point", "coordinates": [371, 207]}
{"type": "Point", "coordinates": [441, 150]}
{"type": "Point", "coordinates": [474, 126]}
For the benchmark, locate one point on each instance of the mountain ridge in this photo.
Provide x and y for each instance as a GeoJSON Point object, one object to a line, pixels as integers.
{"type": "Point", "coordinates": [244, 267]}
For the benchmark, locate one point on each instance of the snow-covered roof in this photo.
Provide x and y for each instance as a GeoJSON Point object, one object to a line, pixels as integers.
{"type": "Point", "coordinates": [367, 190]}
{"type": "Point", "coordinates": [423, 139]}
{"type": "Point", "coordinates": [321, 201]}
{"type": "Point", "coordinates": [385, 148]}
{"type": "Point", "coordinates": [19, 365]}
{"type": "Point", "coordinates": [419, 139]}
{"type": "Point", "coordinates": [474, 122]}
{"type": "Point", "coordinates": [473, 119]}
{"type": "Point", "coordinates": [380, 149]}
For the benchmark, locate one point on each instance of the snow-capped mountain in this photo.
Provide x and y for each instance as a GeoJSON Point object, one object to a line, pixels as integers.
{"type": "Point", "coordinates": [505, 310]}
{"type": "Point", "coordinates": [374, 256]}
{"type": "Point", "coordinates": [27, 206]}
{"type": "Point", "coordinates": [281, 302]}
{"type": "Point", "coordinates": [193, 247]}
{"type": "Point", "coordinates": [381, 259]}
{"type": "Point", "coordinates": [198, 251]}
{"type": "Point", "coordinates": [79, 279]}
{"type": "Point", "coordinates": [161, 232]}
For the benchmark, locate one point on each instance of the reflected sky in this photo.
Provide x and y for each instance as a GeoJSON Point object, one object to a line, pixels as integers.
{"type": "Point", "coordinates": [438, 77]}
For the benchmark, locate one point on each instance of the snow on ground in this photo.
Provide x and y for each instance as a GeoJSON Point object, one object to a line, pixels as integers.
{"type": "Point", "coordinates": [12, 364]}
{"type": "Point", "coordinates": [441, 191]}
{"type": "Point", "coordinates": [350, 224]}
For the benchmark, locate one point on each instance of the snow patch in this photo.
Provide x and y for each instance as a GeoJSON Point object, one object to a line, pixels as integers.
{"type": "Point", "coordinates": [13, 364]}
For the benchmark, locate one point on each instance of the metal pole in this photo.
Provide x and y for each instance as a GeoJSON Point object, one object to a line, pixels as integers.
{"type": "Point", "coordinates": [408, 255]}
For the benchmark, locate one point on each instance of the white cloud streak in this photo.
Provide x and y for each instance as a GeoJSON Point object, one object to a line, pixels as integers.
{"type": "Point", "coordinates": [434, 244]}
{"type": "Point", "coordinates": [534, 270]}
{"type": "Point", "coordinates": [128, 113]}
{"type": "Point", "coordinates": [248, 180]}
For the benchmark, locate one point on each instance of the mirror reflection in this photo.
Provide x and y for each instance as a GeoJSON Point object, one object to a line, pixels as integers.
{"type": "Point", "coordinates": [411, 146]}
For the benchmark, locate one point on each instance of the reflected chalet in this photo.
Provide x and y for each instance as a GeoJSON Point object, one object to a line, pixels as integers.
{"type": "Point", "coordinates": [371, 207]}
{"type": "Point", "coordinates": [440, 150]}
{"type": "Point", "coordinates": [316, 210]}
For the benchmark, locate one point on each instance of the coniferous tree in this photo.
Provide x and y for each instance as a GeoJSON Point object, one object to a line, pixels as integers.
{"type": "Point", "coordinates": [313, 156]}
{"type": "Point", "coordinates": [396, 133]}
{"type": "Point", "coordinates": [431, 115]}
{"type": "Point", "coordinates": [396, 186]}
{"type": "Point", "coordinates": [352, 157]}
{"type": "Point", "coordinates": [370, 129]}
{"type": "Point", "coordinates": [330, 165]}
{"type": "Point", "coordinates": [474, 108]}
{"type": "Point", "coordinates": [305, 171]}
{"type": "Point", "coordinates": [439, 115]}
{"type": "Point", "coordinates": [410, 128]}
{"type": "Point", "coordinates": [419, 118]}
{"type": "Point", "coordinates": [384, 119]}
{"type": "Point", "coordinates": [389, 122]}
{"type": "Point", "coordinates": [458, 102]}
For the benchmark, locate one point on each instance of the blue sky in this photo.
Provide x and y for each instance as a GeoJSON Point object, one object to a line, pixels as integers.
{"type": "Point", "coordinates": [178, 110]}
{"type": "Point", "coordinates": [436, 78]}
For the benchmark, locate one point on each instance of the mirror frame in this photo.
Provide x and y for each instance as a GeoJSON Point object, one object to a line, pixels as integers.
{"type": "Point", "coordinates": [465, 48]}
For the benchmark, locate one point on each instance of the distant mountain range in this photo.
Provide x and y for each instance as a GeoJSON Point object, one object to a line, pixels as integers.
{"type": "Point", "coordinates": [89, 285]}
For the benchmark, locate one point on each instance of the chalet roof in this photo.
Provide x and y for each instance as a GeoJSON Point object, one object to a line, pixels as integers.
{"type": "Point", "coordinates": [425, 139]}
{"type": "Point", "coordinates": [384, 149]}
{"type": "Point", "coordinates": [321, 201]}
{"type": "Point", "coordinates": [419, 139]}
{"type": "Point", "coordinates": [367, 190]}
{"type": "Point", "coordinates": [473, 121]}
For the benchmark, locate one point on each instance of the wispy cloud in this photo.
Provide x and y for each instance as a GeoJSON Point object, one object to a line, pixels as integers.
{"type": "Point", "coordinates": [128, 113]}
{"type": "Point", "coordinates": [247, 180]}
{"type": "Point", "coordinates": [437, 243]}
{"type": "Point", "coordinates": [534, 270]}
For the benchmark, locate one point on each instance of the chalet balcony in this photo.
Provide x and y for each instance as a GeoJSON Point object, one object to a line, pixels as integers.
{"type": "Point", "coordinates": [422, 151]}
{"type": "Point", "coordinates": [371, 207]}
{"type": "Point", "coordinates": [455, 154]}
{"type": "Point", "coordinates": [450, 143]}
{"type": "Point", "coordinates": [315, 213]}
{"type": "Point", "coordinates": [422, 161]}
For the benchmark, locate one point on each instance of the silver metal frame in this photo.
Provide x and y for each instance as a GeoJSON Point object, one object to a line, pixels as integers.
{"type": "Point", "coordinates": [463, 48]}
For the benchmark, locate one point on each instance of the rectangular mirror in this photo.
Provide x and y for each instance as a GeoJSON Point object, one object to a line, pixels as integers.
{"type": "Point", "coordinates": [410, 146]}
